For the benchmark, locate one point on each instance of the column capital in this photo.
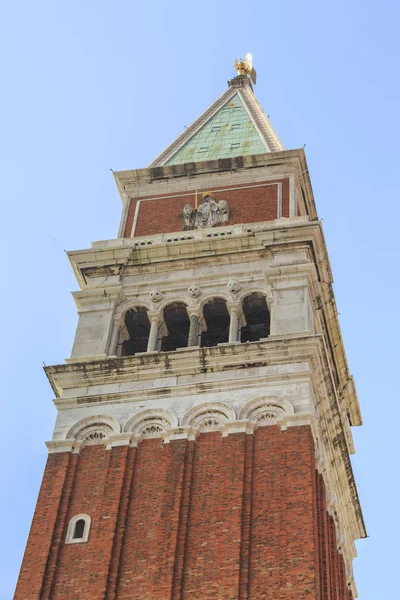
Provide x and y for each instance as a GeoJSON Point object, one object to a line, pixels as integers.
{"type": "Point", "coordinates": [68, 445]}
{"type": "Point", "coordinates": [239, 426]}
{"type": "Point", "coordinates": [118, 439]}
{"type": "Point", "coordinates": [194, 311]}
{"type": "Point", "coordinates": [180, 433]}
{"type": "Point", "coordinates": [154, 315]}
{"type": "Point", "coordinates": [233, 306]}
{"type": "Point", "coordinates": [118, 319]}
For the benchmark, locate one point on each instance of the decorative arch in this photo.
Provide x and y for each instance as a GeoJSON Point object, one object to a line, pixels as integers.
{"type": "Point", "coordinates": [265, 291]}
{"type": "Point", "coordinates": [210, 416]}
{"type": "Point", "coordinates": [178, 297]}
{"type": "Point", "coordinates": [215, 321]}
{"type": "Point", "coordinates": [267, 410]}
{"type": "Point", "coordinates": [209, 297]}
{"type": "Point", "coordinates": [93, 430]}
{"type": "Point", "coordinates": [131, 303]}
{"type": "Point", "coordinates": [151, 423]}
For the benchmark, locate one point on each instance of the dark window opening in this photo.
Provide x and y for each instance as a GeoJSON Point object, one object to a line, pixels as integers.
{"type": "Point", "coordinates": [256, 315]}
{"type": "Point", "coordinates": [217, 320]}
{"type": "Point", "coordinates": [177, 323]}
{"type": "Point", "coordinates": [79, 529]}
{"type": "Point", "coordinates": [138, 327]}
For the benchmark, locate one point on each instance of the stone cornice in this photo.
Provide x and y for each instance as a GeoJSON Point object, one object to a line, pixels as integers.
{"type": "Point", "coordinates": [119, 256]}
{"type": "Point", "coordinates": [188, 361]}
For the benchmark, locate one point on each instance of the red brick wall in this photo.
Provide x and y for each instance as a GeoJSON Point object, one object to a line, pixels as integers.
{"type": "Point", "coordinates": [163, 214]}
{"type": "Point", "coordinates": [212, 555]}
{"type": "Point", "coordinates": [45, 519]}
{"type": "Point", "coordinates": [236, 517]}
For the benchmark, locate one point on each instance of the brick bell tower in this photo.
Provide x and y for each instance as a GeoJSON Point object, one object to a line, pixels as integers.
{"type": "Point", "coordinates": [203, 438]}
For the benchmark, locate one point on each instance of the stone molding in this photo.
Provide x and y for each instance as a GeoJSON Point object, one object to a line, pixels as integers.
{"type": "Point", "coordinates": [157, 422]}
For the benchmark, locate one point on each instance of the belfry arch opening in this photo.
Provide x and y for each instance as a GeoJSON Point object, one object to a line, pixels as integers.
{"type": "Point", "coordinates": [216, 317]}
{"type": "Point", "coordinates": [177, 325]}
{"type": "Point", "coordinates": [257, 318]}
{"type": "Point", "coordinates": [135, 333]}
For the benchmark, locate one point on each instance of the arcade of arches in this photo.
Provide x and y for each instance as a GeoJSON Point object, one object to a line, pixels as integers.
{"type": "Point", "coordinates": [181, 326]}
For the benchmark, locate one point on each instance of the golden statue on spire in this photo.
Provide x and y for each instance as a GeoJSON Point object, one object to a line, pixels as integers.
{"type": "Point", "coordinates": [245, 67]}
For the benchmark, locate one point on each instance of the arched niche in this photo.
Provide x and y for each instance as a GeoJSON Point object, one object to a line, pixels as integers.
{"type": "Point", "coordinates": [134, 335]}
{"type": "Point", "coordinates": [93, 430]}
{"type": "Point", "coordinates": [216, 321]}
{"type": "Point", "coordinates": [210, 416]}
{"type": "Point", "coordinates": [176, 320]}
{"type": "Point", "coordinates": [256, 317]}
{"type": "Point", "coordinates": [151, 423]}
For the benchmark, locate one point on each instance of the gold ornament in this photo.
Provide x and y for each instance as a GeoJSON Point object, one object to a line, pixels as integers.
{"type": "Point", "coordinates": [245, 67]}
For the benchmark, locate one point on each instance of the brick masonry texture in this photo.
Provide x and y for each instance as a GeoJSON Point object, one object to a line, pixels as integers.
{"type": "Point", "coordinates": [246, 204]}
{"type": "Point", "coordinates": [237, 517]}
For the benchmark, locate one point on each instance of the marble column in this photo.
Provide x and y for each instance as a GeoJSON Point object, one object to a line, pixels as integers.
{"type": "Point", "coordinates": [234, 309]}
{"type": "Point", "coordinates": [154, 318]}
{"type": "Point", "coordinates": [194, 316]}
{"type": "Point", "coordinates": [117, 325]}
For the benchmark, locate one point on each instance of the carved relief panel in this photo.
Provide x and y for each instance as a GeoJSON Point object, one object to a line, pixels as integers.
{"type": "Point", "coordinates": [208, 214]}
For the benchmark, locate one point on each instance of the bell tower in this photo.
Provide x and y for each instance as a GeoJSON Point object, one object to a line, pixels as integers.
{"type": "Point", "coordinates": [203, 437]}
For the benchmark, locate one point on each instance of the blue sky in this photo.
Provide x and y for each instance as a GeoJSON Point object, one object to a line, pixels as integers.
{"type": "Point", "coordinates": [90, 86]}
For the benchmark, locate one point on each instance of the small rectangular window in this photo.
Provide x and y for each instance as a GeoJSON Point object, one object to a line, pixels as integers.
{"type": "Point", "coordinates": [235, 126]}
{"type": "Point", "coordinates": [203, 149]}
{"type": "Point", "coordinates": [235, 145]}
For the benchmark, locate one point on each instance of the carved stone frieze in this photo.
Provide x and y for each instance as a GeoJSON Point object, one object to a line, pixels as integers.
{"type": "Point", "coordinates": [152, 431]}
{"type": "Point", "coordinates": [95, 434]}
{"type": "Point", "coordinates": [210, 424]}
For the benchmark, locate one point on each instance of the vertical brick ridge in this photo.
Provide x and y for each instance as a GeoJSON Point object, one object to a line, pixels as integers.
{"type": "Point", "coordinates": [120, 525]}
{"type": "Point", "coordinates": [283, 517]}
{"type": "Point", "coordinates": [114, 472]}
{"type": "Point", "coordinates": [212, 554]}
{"type": "Point", "coordinates": [60, 529]}
{"type": "Point", "coordinates": [245, 547]}
{"type": "Point", "coordinates": [316, 526]}
{"type": "Point", "coordinates": [342, 571]}
{"type": "Point", "coordinates": [333, 563]}
{"type": "Point", "coordinates": [184, 514]}
{"type": "Point", "coordinates": [149, 545]}
{"type": "Point", "coordinates": [323, 540]}
{"type": "Point", "coordinates": [46, 519]}
{"type": "Point", "coordinates": [266, 553]}
{"type": "Point", "coordinates": [162, 571]}
{"type": "Point", "coordinates": [116, 568]}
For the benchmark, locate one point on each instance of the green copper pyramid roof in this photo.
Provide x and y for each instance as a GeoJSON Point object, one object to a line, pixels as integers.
{"type": "Point", "coordinates": [230, 132]}
{"type": "Point", "coordinates": [235, 125]}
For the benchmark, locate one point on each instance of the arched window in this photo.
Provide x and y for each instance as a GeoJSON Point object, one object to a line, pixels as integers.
{"type": "Point", "coordinates": [217, 320]}
{"type": "Point", "coordinates": [177, 324]}
{"type": "Point", "coordinates": [135, 334]}
{"type": "Point", "coordinates": [256, 315]}
{"type": "Point", "coordinates": [78, 529]}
